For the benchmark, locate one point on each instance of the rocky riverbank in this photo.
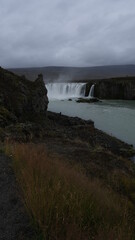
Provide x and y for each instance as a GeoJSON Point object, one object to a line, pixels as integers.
{"type": "Point", "coordinates": [76, 140]}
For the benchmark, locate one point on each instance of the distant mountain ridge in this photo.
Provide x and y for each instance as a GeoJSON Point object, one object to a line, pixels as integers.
{"type": "Point", "coordinates": [54, 73]}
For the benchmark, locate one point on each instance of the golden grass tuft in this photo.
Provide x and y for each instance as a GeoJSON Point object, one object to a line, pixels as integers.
{"type": "Point", "coordinates": [63, 202]}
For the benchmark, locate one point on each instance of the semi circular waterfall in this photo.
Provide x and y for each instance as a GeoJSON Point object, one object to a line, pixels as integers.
{"type": "Point", "coordinates": [65, 90]}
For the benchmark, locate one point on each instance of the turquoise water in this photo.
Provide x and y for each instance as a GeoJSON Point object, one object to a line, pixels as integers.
{"type": "Point", "coordinates": [116, 118]}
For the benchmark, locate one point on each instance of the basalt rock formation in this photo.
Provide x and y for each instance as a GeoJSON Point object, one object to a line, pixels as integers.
{"type": "Point", "coordinates": [115, 88]}
{"type": "Point", "coordinates": [20, 97]}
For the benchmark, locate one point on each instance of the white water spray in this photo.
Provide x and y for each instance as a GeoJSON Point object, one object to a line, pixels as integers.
{"type": "Point", "coordinates": [91, 93]}
{"type": "Point", "coordinates": [65, 90]}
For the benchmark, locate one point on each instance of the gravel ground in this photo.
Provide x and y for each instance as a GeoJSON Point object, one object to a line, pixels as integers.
{"type": "Point", "coordinates": [14, 222]}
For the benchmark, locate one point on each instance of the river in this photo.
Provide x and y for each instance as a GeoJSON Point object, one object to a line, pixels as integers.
{"type": "Point", "coordinates": [115, 117]}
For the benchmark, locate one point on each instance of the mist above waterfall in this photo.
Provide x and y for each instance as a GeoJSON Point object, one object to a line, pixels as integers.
{"type": "Point", "coordinates": [56, 77]}
{"type": "Point", "coordinates": [65, 90]}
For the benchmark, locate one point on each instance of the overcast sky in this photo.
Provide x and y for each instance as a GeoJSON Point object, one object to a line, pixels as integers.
{"type": "Point", "coordinates": [66, 32]}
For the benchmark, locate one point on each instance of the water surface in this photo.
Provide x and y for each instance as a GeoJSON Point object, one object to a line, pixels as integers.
{"type": "Point", "coordinates": [115, 117]}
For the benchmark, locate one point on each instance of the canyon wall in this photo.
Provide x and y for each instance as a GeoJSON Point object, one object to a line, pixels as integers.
{"type": "Point", "coordinates": [121, 88]}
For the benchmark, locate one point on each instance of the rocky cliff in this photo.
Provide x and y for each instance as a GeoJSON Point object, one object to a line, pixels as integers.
{"type": "Point", "coordinates": [19, 96]}
{"type": "Point", "coordinates": [120, 88]}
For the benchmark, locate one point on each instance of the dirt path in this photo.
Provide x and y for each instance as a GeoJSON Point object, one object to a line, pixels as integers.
{"type": "Point", "coordinates": [14, 222]}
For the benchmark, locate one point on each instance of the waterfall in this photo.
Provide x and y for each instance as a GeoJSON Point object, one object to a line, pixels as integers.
{"type": "Point", "coordinates": [91, 93]}
{"type": "Point", "coordinates": [65, 90]}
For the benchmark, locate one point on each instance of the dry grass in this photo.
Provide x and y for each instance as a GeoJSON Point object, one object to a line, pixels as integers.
{"type": "Point", "coordinates": [64, 203]}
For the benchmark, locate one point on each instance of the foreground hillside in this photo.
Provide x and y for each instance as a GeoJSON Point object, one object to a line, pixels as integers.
{"type": "Point", "coordinates": [64, 203]}
{"type": "Point", "coordinates": [71, 175]}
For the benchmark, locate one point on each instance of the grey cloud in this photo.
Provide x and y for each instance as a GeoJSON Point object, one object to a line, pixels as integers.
{"type": "Point", "coordinates": [71, 33]}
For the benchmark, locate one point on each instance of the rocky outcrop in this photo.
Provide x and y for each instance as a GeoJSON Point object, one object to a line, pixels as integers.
{"type": "Point", "coordinates": [38, 100]}
{"type": "Point", "coordinates": [87, 100]}
{"type": "Point", "coordinates": [20, 96]}
{"type": "Point", "coordinates": [120, 88]}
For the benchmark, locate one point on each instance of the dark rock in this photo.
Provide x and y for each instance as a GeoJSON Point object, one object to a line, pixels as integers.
{"type": "Point", "coordinates": [63, 120]}
{"type": "Point", "coordinates": [115, 88]}
{"type": "Point", "coordinates": [6, 117]}
{"type": "Point", "coordinates": [21, 96]}
{"type": "Point", "coordinates": [87, 100]}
